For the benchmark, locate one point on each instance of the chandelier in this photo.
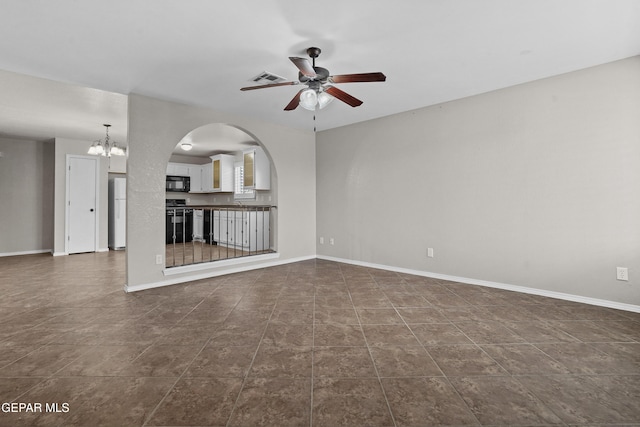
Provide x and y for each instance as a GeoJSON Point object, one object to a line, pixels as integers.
{"type": "Point", "coordinates": [107, 147]}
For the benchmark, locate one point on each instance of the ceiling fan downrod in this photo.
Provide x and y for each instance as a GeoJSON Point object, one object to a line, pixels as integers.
{"type": "Point", "coordinates": [313, 53]}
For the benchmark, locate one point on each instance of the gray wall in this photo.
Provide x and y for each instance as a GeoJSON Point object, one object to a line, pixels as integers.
{"type": "Point", "coordinates": [155, 127]}
{"type": "Point", "coordinates": [26, 195]}
{"type": "Point", "coordinates": [537, 185]}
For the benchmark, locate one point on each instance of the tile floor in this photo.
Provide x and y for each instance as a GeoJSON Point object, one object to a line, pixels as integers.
{"type": "Point", "coordinates": [312, 343]}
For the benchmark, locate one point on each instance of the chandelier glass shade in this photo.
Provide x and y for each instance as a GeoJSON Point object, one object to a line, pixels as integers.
{"type": "Point", "coordinates": [106, 147]}
{"type": "Point", "coordinates": [324, 99]}
{"type": "Point", "coordinates": [311, 99]}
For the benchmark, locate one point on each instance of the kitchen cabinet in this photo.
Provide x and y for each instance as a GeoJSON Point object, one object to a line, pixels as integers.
{"type": "Point", "coordinates": [257, 169]}
{"type": "Point", "coordinates": [195, 175]}
{"type": "Point", "coordinates": [201, 178]}
{"type": "Point", "coordinates": [178, 169]}
{"type": "Point", "coordinates": [252, 230]}
{"type": "Point", "coordinates": [206, 172]}
{"type": "Point", "coordinates": [222, 173]}
{"type": "Point", "coordinates": [241, 229]}
{"type": "Point", "coordinates": [224, 228]}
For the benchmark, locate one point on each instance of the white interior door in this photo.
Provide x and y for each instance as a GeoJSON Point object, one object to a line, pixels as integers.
{"type": "Point", "coordinates": [81, 204]}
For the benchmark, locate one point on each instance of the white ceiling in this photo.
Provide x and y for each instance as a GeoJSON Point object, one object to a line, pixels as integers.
{"type": "Point", "coordinates": [215, 138]}
{"type": "Point", "coordinates": [201, 51]}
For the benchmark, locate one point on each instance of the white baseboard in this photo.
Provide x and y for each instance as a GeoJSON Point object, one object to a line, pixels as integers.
{"type": "Point", "coordinates": [210, 270]}
{"type": "Point", "coordinates": [505, 286]}
{"type": "Point", "coordinates": [37, 251]}
{"type": "Point", "coordinates": [219, 264]}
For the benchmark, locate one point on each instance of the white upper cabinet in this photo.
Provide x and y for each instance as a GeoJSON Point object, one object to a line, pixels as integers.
{"type": "Point", "coordinates": [195, 175]}
{"type": "Point", "coordinates": [257, 169]}
{"type": "Point", "coordinates": [178, 169]}
{"type": "Point", "coordinates": [222, 173]}
{"type": "Point", "coordinates": [207, 177]}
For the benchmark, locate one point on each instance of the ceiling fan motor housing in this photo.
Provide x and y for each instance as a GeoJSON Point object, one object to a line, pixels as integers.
{"type": "Point", "coordinates": [321, 75]}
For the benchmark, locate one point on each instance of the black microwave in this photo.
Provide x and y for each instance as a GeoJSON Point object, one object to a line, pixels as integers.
{"type": "Point", "coordinates": [180, 184]}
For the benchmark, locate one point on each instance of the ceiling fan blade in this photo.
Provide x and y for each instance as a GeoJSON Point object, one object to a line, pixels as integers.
{"type": "Point", "coordinates": [269, 85]}
{"type": "Point", "coordinates": [343, 96]}
{"type": "Point", "coordinates": [304, 66]}
{"type": "Point", "coordinates": [294, 102]}
{"type": "Point", "coordinates": [354, 78]}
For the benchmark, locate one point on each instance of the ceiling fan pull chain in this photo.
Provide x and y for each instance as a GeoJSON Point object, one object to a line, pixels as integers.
{"type": "Point", "coordinates": [314, 122]}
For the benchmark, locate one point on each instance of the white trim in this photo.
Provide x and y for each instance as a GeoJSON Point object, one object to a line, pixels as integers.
{"type": "Point", "coordinates": [60, 254]}
{"type": "Point", "coordinates": [217, 264]}
{"type": "Point", "coordinates": [505, 286]}
{"type": "Point", "coordinates": [37, 251]}
{"type": "Point", "coordinates": [217, 272]}
{"type": "Point", "coordinates": [220, 272]}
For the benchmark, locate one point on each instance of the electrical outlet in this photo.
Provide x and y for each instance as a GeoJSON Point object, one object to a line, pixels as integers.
{"type": "Point", "coordinates": [322, 240]}
{"type": "Point", "coordinates": [331, 241]}
{"type": "Point", "coordinates": [430, 252]}
{"type": "Point", "coordinates": [158, 259]}
{"type": "Point", "coordinates": [622, 273]}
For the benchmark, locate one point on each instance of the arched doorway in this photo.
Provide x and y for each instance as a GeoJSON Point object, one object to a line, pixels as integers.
{"type": "Point", "coordinates": [228, 210]}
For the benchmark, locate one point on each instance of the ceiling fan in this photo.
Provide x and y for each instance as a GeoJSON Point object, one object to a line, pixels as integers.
{"type": "Point", "coordinates": [320, 91]}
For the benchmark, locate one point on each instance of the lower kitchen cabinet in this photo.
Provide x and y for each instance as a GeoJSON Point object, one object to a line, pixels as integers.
{"type": "Point", "coordinates": [224, 228]}
{"type": "Point", "coordinates": [252, 230]}
{"type": "Point", "coordinates": [242, 229]}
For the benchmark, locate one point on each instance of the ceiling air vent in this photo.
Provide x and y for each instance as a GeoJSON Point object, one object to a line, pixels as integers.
{"type": "Point", "coordinates": [265, 77]}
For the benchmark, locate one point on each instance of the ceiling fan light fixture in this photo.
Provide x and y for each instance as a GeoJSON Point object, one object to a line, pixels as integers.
{"type": "Point", "coordinates": [186, 146]}
{"type": "Point", "coordinates": [309, 99]}
{"type": "Point", "coordinates": [324, 99]}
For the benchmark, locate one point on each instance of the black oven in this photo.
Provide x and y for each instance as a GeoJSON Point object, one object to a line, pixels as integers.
{"type": "Point", "coordinates": [179, 221]}
{"type": "Point", "coordinates": [178, 183]}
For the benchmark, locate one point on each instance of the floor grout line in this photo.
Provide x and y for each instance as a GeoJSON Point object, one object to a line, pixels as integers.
{"type": "Point", "coordinates": [375, 367]}
{"type": "Point", "coordinates": [255, 354]}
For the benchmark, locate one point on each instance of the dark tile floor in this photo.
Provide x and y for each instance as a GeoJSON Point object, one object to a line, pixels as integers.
{"type": "Point", "coordinates": [311, 343]}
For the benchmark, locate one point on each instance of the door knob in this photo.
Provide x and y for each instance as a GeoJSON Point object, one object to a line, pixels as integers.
{"type": "Point", "coordinates": [91, 210]}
